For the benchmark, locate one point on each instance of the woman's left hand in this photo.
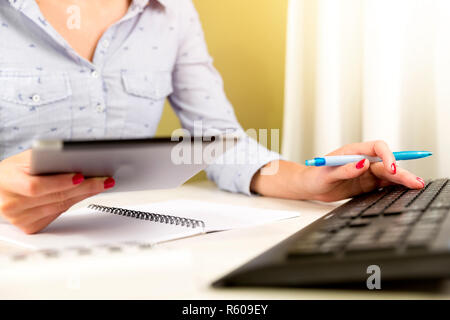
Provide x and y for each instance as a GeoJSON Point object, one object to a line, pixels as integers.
{"type": "Point", "coordinates": [295, 181]}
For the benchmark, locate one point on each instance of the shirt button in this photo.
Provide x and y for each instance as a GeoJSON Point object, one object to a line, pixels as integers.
{"type": "Point", "coordinates": [36, 98]}
{"type": "Point", "coordinates": [105, 44]}
{"type": "Point", "coordinates": [94, 74]}
{"type": "Point", "coordinates": [100, 108]}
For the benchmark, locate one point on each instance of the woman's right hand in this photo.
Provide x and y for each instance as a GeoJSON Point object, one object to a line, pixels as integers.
{"type": "Point", "coordinates": [33, 202]}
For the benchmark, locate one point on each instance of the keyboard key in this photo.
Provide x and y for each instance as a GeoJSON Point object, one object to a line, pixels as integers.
{"type": "Point", "coordinates": [374, 239]}
{"type": "Point", "coordinates": [421, 235]}
{"type": "Point", "coordinates": [433, 215]}
{"type": "Point", "coordinates": [415, 240]}
{"type": "Point", "coordinates": [358, 205]}
{"type": "Point", "coordinates": [333, 225]}
{"type": "Point", "coordinates": [394, 230]}
{"type": "Point", "coordinates": [316, 237]}
{"type": "Point", "coordinates": [373, 246]}
{"type": "Point", "coordinates": [425, 226]}
{"type": "Point", "coordinates": [360, 222]}
{"type": "Point", "coordinates": [342, 236]}
{"type": "Point", "coordinates": [310, 243]}
{"type": "Point", "coordinates": [393, 235]}
{"type": "Point", "coordinates": [331, 247]}
{"type": "Point", "coordinates": [305, 247]}
{"type": "Point", "coordinates": [401, 203]}
{"type": "Point", "coordinates": [376, 209]}
{"type": "Point", "coordinates": [338, 241]}
{"type": "Point", "coordinates": [425, 198]}
{"type": "Point", "coordinates": [351, 213]}
{"type": "Point", "coordinates": [408, 217]}
{"type": "Point", "coordinates": [372, 213]}
{"type": "Point", "coordinates": [443, 198]}
{"type": "Point", "coordinates": [364, 240]}
{"type": "Point", "coordinates": [310, 246]}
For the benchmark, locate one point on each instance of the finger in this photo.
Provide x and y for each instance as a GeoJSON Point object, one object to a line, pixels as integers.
{"type": "Point", "coordinates": [35, 219]}
{"type": "Point", "coordinates": [40, 224]}
{"type": "Point", "coordinates": [372, 148]}
{"type": "Point", "coordinates": [386, 183]}
{"type": "Point", "coordinates": [382, 150]}
{"type": "Point", "coordinates": [36, 186]}
{"type": "Point", "coordinates": [403, 177]}
{"type": "Point", "coordinates": [89, 186]}
{"type": "Point", "coordinates": [16, 178]}
{"type": "Point", "coordinates": [348, 171]}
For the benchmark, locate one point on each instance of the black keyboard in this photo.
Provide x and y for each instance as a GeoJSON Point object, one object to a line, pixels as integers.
{"type": "Point", "coordinates": [406, 233]}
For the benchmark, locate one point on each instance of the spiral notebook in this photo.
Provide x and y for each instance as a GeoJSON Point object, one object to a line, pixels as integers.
{"type": "Point", "coordinates": [150, 224]}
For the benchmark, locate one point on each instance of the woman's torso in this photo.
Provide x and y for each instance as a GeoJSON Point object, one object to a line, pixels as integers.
{"type": "Point", "coordinates": [48, 90]}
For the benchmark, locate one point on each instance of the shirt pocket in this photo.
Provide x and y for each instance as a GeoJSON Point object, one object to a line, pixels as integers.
{"type": "Point", "coordinates": [146, 93]}
{"type": "Point", "coordinates": [34, 105]}
{"type": "Point", "coordinates": [154, 86]}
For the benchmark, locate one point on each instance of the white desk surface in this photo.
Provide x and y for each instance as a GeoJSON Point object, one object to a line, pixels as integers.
{"type": "Point", "coordinates": [181, 269]}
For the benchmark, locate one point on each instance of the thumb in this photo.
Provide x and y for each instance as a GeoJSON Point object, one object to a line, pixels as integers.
{"type": "Point", "coordinates": [349, 171]}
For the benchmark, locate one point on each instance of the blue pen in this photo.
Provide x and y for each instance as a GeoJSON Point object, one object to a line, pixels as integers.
{"type": "Point", "coordinates": [332, 161]}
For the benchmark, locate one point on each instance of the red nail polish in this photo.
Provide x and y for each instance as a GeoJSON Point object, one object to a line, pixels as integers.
{"type": "Point", "coordinates": [109, 183]}
{"type": "Point", "coordinates": [78, 178]}
{"type": "Point", "coordinates": [421, 181]}
{"type": "Point", "coordinates": [360, 164]}
{"type": "Point", "coordinates": [394, 168]}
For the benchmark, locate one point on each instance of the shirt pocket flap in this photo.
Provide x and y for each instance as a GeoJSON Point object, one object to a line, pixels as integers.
{"type": "Point", "coordinates": [34, 89]}
{"type": "Point", "coordinates": [148, 85]}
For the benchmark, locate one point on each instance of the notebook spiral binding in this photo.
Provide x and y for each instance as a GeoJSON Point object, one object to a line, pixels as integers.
{"type": "Point", "coordinates": [149, 216]}
{"type": "Point", "coordinates": [113, 248]}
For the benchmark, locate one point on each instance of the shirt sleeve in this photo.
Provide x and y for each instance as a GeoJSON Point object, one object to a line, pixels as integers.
{"type": "Point", "coordinates": [199, 100]}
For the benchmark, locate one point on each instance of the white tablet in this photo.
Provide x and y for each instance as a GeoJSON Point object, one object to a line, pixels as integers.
{"type": "Point", "coordinates": [142, 164]}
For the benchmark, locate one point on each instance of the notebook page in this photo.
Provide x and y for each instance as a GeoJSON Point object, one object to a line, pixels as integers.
{"type": "Point", "coordinates": [86, 227]}
{"type": "Point", "coordinates": [217, 216]}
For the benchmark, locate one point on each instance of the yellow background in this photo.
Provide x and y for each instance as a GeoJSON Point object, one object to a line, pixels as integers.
{"type": "Point", "coordinates": [247, 39]}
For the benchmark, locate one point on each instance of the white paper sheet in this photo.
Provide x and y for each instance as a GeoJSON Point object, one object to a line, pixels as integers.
{"type": "Point", "coordinates": [87, 227]}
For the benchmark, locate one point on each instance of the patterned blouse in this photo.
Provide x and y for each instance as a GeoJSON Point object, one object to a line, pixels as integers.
{"type": "Point", "coordinates": [156, 51]}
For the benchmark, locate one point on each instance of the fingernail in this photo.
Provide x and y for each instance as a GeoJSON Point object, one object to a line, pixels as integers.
{"type": "Point", "coordinates": [78, 178]}
{"type": "Point", "coordinates": [360, 164]}
{"type": "Point", "coordinates": [394, 168]}
{"type": "Point", "coordinates": [109, 183]}
{"type": "Point", "coordinates": [421, 181]}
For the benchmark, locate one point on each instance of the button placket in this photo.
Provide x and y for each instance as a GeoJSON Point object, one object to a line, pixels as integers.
{"type": "Point", "coordinates": [98, 106]}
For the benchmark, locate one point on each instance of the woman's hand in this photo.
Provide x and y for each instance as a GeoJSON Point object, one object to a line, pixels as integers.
{"type": "Point", "coordinates": [32, 202]}
{"type": "Point", "coordinates": [295, 181]}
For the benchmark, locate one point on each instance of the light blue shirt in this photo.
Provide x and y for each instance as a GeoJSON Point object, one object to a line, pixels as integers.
{"type": "Point", "coordinates": [156, 51]}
